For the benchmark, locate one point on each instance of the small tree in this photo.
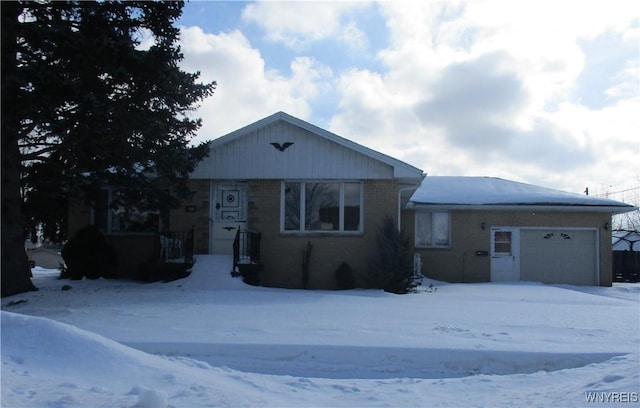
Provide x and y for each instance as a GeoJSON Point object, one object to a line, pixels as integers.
{"type": "Point", "coordinates": [391, 269]}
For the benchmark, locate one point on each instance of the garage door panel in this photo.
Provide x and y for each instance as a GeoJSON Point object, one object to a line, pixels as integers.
{"type": "Point", "coordinates": [558, 256]}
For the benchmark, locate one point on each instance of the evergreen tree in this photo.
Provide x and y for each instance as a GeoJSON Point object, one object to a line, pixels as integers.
{"type": "Point", "coordinates": [15, 266]}
{"type": "Point", "coordinates": [391, 267]}
{"type": "Point", "coordinates": [92, 97]}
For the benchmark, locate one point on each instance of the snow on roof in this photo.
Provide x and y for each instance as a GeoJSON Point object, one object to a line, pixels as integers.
{"type": "Point", "coordinates": [482, 191]}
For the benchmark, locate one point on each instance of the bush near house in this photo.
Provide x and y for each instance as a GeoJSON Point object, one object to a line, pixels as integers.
{"type": "Point", "coordinates": [88, 254]}
{"type": "Point", "coordinates": [306, 260]}
{"type": "Point", "coordinates": [391, 268]}
{"type": "Point", "coordinates": [345, 278]}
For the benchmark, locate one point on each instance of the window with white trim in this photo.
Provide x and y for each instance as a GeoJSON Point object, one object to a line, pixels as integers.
{"type": "Point", "coordinates": [432, 229]}
{"type": "Point", "coordinates": [323, 206]}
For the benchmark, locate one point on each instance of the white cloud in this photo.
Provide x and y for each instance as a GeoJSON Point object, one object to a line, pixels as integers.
{"type": "Point", "coordinates": [246, 90]}
{"type": "Point", "coordinates": [145, 39]}
{"type": "Point", "coordinates": [296, 24]}
{"type": "Point", "coordinates": [353, 37]}
{"type": "Point", "coordinates": [625, 82]}
{"type": "Point", "coordinates": [463, 88]}
{"type": "Point", "coordinates": [490, 83]}
{"type": "Point", "coordinates": [307, 77]}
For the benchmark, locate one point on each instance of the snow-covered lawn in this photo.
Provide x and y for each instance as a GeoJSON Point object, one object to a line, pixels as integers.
{"type": "Point", "coordinates": [210, 340]}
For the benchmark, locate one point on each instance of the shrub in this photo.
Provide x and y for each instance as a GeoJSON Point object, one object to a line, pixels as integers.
{"type": "Point", "coordinates": [88, 254]}
{"type": "Point", "coordinates": [344, 277]}
{"type": "Point", "coordinates": [306, 260]}
{"type": "Point", "coordinates": [391, 268]}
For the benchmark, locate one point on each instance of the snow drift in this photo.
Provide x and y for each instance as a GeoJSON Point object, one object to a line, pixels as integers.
{"type": "Point", "coordinates": [210, 340]}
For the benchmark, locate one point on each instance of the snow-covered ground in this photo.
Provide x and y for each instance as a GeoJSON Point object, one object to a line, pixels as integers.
{"type": "Point", "coordinates": [210, 340]}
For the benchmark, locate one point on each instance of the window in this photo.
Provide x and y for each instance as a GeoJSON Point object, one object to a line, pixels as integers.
{"type": "Point", "coordinates": [111, 219]}
{"type": "Point", "coordinates": [502, 242]}
{"type": "Point", "coordinates": [321, 206]}
{"type": "Point", "coordinates": [432, 229]}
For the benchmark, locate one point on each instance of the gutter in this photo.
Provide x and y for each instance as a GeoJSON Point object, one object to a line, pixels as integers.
{"type": "Point", "coordinates": [525, 207]}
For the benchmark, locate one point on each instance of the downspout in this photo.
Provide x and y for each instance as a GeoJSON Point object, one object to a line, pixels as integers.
{"type": "Point", "coordinates": [400, 191]}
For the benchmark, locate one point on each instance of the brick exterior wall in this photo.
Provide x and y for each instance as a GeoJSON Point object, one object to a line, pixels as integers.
{"type": "Point", "coordinates": [282, 253]}
{"type": "Point", "coordinates": [459, 263]}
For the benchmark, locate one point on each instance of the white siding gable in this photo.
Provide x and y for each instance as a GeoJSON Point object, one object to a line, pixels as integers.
{"type": "Point", "coordinates": [314, 154]}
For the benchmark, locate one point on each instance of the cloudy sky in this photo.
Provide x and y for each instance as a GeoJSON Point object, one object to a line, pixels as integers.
{"type": "Point", "coordinates": [544, 92]}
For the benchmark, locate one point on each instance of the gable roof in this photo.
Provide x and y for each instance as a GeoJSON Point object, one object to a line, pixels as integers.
{"type": "Point", "coordinates": [315, 152]}
{"type": "Point", "coordinates": [494, 193]}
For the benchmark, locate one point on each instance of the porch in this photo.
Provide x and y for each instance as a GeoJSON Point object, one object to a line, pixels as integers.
{"type": "Point", "coordinates": [171, 259]}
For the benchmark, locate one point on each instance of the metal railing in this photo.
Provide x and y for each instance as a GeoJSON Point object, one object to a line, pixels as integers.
{"type": "Point", "coordinates": [172, 246]}
{"type": "Point", "coordinates": [246, 248]}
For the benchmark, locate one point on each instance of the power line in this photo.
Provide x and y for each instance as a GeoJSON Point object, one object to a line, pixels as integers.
{"type": "Point", "coordinates": [617, 192]}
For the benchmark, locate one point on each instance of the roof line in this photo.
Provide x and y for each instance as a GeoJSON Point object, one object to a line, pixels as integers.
{"type": "Point", "coordinates": [280, 115]}
{"type": "Point", "coordinates": [614, 209]}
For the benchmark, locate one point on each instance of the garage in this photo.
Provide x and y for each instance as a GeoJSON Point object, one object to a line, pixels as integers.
{"type": "Point", "coordinates": [559, 256]}
{"type": "Point", "coordinates": [499, 230]}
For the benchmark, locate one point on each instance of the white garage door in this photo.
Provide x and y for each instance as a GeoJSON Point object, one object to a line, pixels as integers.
{"type": "Point", "coordinates": [559, 256]}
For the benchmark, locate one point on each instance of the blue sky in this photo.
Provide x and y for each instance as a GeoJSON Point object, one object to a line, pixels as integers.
{"type": "Point", "coordinates": [544, 92]}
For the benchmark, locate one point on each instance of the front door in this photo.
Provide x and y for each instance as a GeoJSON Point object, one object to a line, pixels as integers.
{"type": "Point", "coordinates": [228, 213]}
{"type": "Point", "coordinates": [504, 254]}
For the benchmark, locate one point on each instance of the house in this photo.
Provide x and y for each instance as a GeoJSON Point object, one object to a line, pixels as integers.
{"type": "Point", "coordinates": [48, 258]}
{"type": "Point", "coordinates": [480, 229]}
{"type": "Point", "coordinates": [304, 190]}
{"type": "Point", "coordinates": [293, 203]}
{"type": "Point", "coordinates": [292, 188]}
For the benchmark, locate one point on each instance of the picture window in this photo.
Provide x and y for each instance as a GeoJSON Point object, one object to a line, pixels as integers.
{"type": "Point", "coordinates": [322, 206]}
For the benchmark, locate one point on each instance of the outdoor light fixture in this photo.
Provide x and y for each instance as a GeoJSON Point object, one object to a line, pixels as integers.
{"type": "Point", "coordinates": [606, 226]}
{"type": "Point", "coordinates": [483, 226]}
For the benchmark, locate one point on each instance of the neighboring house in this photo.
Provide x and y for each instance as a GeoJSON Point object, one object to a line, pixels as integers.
{"type": "Point", "coordinates": [46, 258]}
{"type": "Point", "coordinates": [479, 229]}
